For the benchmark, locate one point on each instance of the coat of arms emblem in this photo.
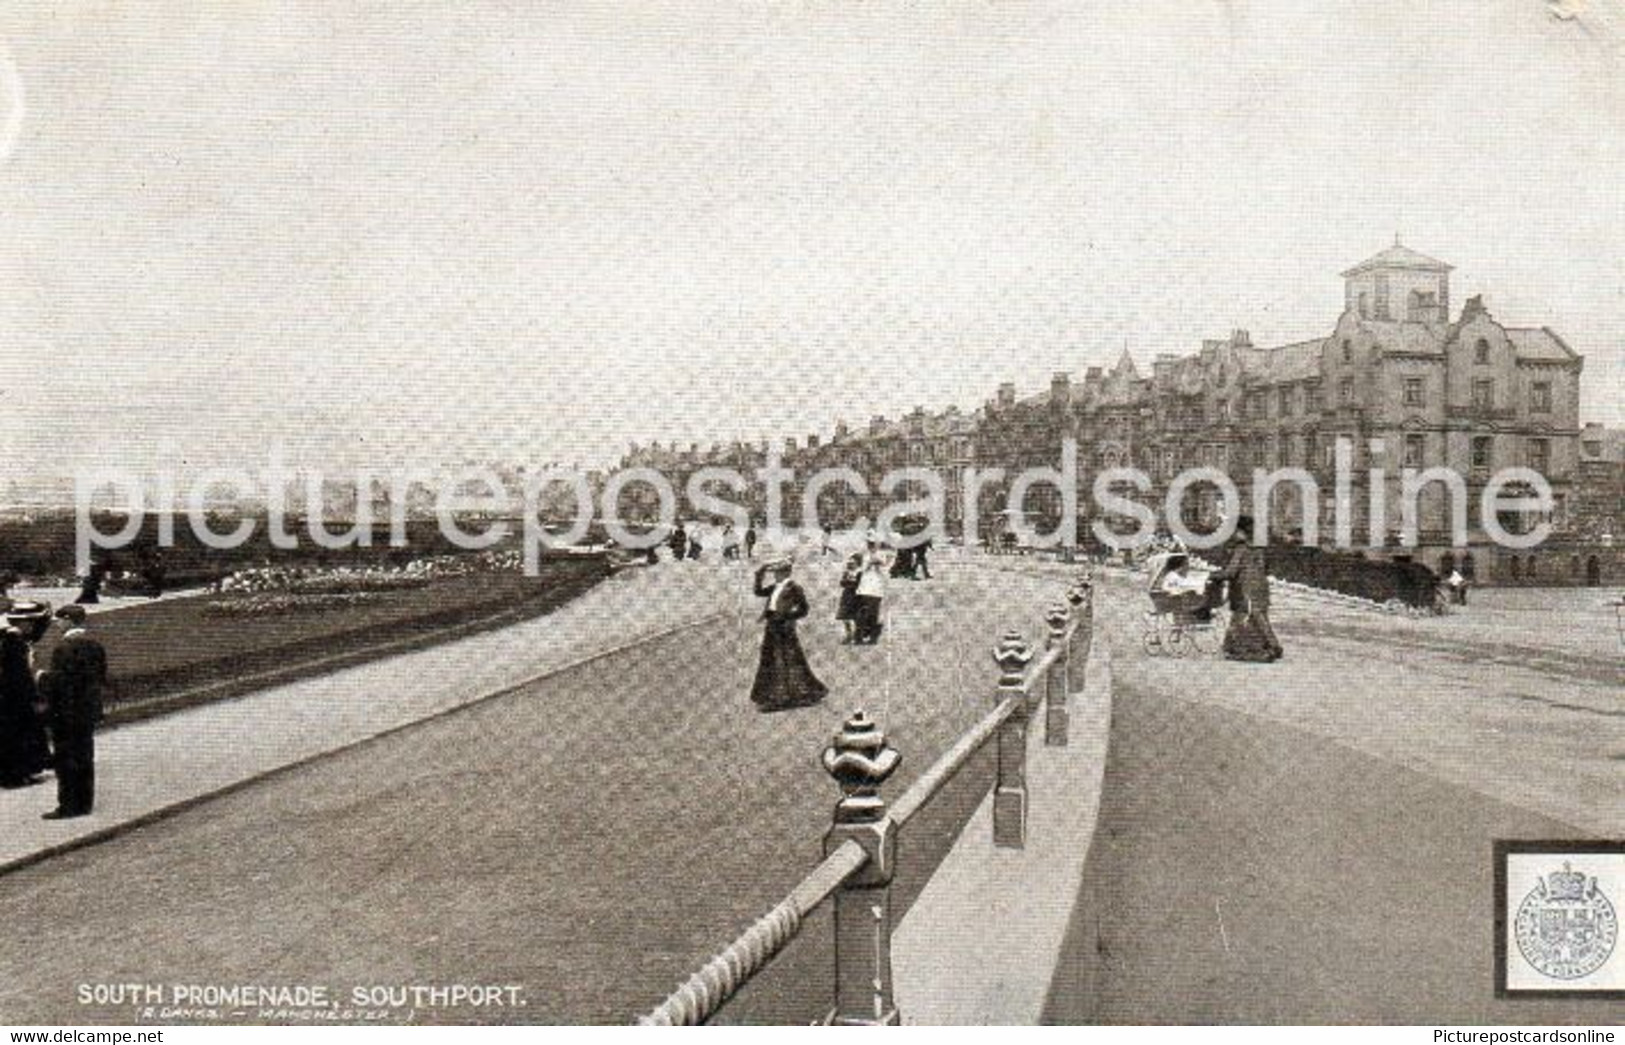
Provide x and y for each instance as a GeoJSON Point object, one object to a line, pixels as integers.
{"type": "Point", "coordinates": [1566, 927]}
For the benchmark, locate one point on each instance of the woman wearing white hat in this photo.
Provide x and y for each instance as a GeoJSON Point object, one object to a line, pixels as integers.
{"type": "Point", "coordinates": [871, 590]}
{"type": "Point", "coordinates": [783, 677]}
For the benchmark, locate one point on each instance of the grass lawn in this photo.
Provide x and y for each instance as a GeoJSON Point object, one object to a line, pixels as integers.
{"type": "Point", "coordinates": [177, 652]}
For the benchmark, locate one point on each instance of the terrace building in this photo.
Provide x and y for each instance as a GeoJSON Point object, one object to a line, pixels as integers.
{"type": "Point", "coordinates": [1410, 385]}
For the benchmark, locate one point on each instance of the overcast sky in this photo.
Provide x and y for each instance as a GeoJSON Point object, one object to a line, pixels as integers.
{"type": "Point", "coordinates": [532, 231]}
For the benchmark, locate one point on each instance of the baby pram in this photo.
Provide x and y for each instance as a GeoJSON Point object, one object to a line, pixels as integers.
{"type": "Point", "coordinates": [1185, 622]}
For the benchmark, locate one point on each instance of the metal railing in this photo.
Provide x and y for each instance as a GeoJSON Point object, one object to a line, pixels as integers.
{"type": "Point", "coordinates": [860, 849]}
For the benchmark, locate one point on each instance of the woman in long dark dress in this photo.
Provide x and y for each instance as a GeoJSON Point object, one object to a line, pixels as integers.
{"type": "Point", "coordinates": [23, 752]}
{"type": "Point", "coordinates": [783, 677]}
{"type": "Point", "coordinates": [1250, 636]}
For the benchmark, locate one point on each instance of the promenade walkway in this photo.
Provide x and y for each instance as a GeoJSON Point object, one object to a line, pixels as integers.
{"type": "Point", "coordinates": [1310, 841]}
{"type": "Point", "coordinates": [592, 836]}
{"type": "Point", "coordinates": [155, 766]}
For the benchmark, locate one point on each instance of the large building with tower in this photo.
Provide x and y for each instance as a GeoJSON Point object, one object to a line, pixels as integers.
{"type": "Point", "coordinates": [1406, 379]}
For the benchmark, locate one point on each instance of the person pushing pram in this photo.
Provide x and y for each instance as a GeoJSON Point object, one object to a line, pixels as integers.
{"type": "Point", "coordinates": [1183, 604]}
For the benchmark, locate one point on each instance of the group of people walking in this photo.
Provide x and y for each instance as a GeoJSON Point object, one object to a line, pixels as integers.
{"type": "Point", "coordinates": [784, 679]}
{"type": "Point", "coordinates": [685, 543]}
{"type": "Point", "coordinates": [48, 717]}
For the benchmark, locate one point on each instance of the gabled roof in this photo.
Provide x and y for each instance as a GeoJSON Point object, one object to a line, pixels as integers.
{"type": "Point", "coordinates": [1409, 338]}
{"type": "Point", "coordinates": [1399, 257]}
{"type": "Point", "coordinates": [1539, 343]}
{"type": "Point", "coordinates": [1295, 362]}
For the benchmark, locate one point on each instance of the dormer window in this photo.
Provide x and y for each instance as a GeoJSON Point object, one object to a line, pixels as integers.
{"type": "Point", "coordinates": [1348, 351]}
{"type": "Point", "coordinates": [1481, 352]}
{"type": "Point", "coordinates": [1422, 305]}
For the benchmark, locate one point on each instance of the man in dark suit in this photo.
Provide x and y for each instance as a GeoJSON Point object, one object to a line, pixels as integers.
{"type": "Point", "coordinates": [72, 687]}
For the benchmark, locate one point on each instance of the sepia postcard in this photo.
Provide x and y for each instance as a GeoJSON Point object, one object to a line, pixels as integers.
{"type": "Point", "coordinates": [812, 512]}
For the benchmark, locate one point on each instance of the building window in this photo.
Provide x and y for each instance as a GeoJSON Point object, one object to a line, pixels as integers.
{"type": "Point", "coordinates": [1382, 297]}
{"type": "Point", "coordinates": [1283, 402]}
{"type": "Point", "coordinates": [1423, 306]}
{"type": "Point", "coordinates": [1348, 350]}
{"type": "Point", "coordinates": [1415, 445]}
{"type": "Point", "coordinates": [1224, 410]}
{"type": "Point", "coordinates": [1481, 352]}
{"type": "Point", "coordinates": [1413, 391]}
{"type": "Point", "coordinates": [1483, 394]}
{"type": "Point", "coordinates": [1315, 402]}
{"type": "Point", "coordinates": [1540, 455]}
{"type": "Point", "coordinates": [1311, 448]}
{"type": "Point", "coordinates": [1482, 445]}
{"type": "Point", "coordinates": [1345, 390]}
{"type": "Point", "coordinates": [1540, 397]}
{"type": "Point", "coordinates": [1593, 448]}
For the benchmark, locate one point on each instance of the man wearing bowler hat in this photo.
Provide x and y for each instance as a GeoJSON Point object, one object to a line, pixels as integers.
{"type": "Point", "coordinates": [72, 687]}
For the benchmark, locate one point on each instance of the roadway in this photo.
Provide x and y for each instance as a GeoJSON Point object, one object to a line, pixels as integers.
{"type": "Point", "coordinates": [590, 838]}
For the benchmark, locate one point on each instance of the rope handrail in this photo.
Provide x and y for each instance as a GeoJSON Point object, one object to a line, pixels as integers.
{"type": "Point", "coordinates": [952, 761]}
{"type": "Point", "coordinates": [699, 997]}
{"type": "Point", "coordinates": [859, 864]}
{"type": "Point", "coordinates": [965, 748]}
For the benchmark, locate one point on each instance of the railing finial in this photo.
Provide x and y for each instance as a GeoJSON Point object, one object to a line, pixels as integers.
{"type": "Point", "coordinates": [860, 760]}
{"type": "Point", "coordinates": [1012, 654]}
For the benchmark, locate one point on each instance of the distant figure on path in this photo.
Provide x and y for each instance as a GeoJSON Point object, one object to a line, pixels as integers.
{"type": "Point", "coordinates": [678, 543]}
{"type": "Point", "coordinates": [90, 589]}
{"type": "Point", "coordinates": [23, 750]}
{"type": "Point", "coordinates": [73, 687]}
{"type": "Point", "coordinates": [871, 590]}
{"type": "Point", "coordinates": [922, 567]}
{"type": "Point", "coordinates": [1250, 636]}
{"type": "Point", "coordinates": [153, 572]}
{"type": "Point", "coordinates": [1458, 587]}
{"type": "Point", "coordinates": [750, 541]}
{"type": "Point", "coordinates": [783, 677]}
{"type": "Point", "coordinates": [694, 545]}
{"type": "Point", "coordinates": [846, 611]}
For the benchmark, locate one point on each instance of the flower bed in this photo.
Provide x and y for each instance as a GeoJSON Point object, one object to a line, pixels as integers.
{"type": "Point", "coordinates": [357, 579]}
{"type": "Point", "coordinates": [268, 603]}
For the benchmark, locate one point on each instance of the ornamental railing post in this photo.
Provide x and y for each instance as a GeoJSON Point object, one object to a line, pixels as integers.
{"type": "Point", "coordinates": [860, 760]}
{"type": "Point", "coordinates": [1058, 684]}
{"type": "Point", "coordinates": [1077, 650]}
{"type": "Point", "coordinates": [1010, 785]}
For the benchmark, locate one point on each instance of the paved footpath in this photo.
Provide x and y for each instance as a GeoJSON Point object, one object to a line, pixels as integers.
{"type": "Point", "coordinates": [156, 765]}
{"type": "Point", "coordinates": [591, 837]}
{"type": "Point", "coordinates": [1310, 841]}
